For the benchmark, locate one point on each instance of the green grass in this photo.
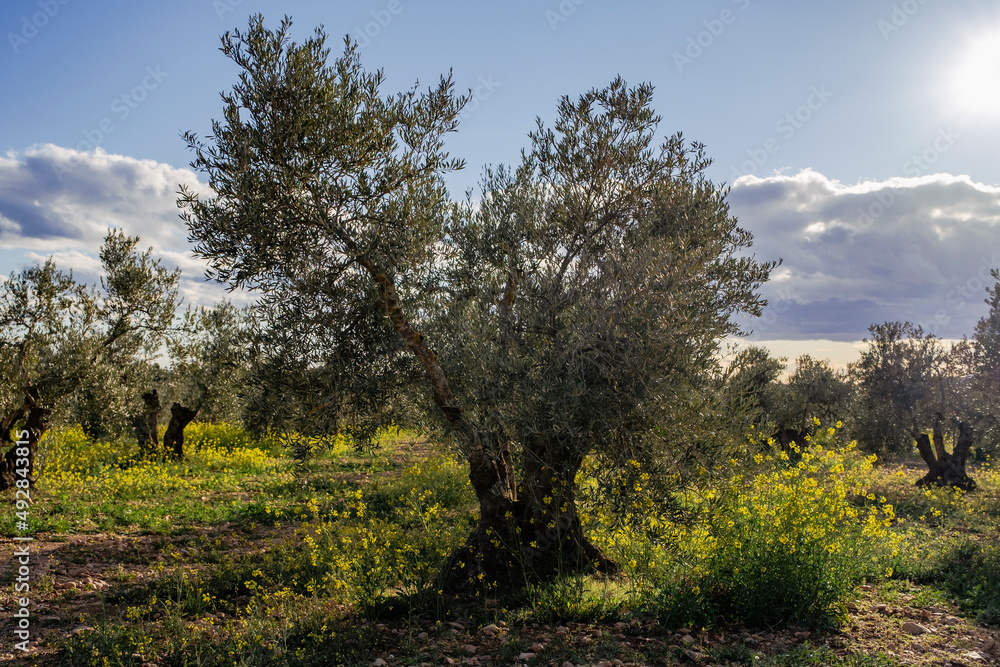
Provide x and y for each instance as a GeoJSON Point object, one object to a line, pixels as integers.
{"type": "Point", "coordinates": [950, 541]}
{"type": "Point", "coordinates": [235, 556]}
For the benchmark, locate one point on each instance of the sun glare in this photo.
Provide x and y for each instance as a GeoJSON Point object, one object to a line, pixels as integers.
{"type": "Point", "coordinates": [976, 80]}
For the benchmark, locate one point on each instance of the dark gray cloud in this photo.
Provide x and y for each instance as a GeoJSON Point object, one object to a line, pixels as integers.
{"type": "Point", "coordinates": [917, 249]}
{"type": "Point", "coordinates": [60, 202]}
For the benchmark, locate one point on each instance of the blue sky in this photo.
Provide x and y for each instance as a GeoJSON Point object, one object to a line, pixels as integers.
{"type": "Point", "coordinates": [860, 137]}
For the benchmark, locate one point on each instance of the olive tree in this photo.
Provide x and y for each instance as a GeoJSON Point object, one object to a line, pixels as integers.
{"type": "Point", "coordinates": [981, 372]}
{"type": "Point", "coordinates": [81, 351]}
{"type": "Point", "coordinates": [817, 391]}
{"type": "Point", "coordinates": [208, 356]}
{"type": "Point", "coordinates": [575, 310]}
{"type": "Point", "coordinates": [909, 384]}
{"type": "Point", "coordinates": [754, 388]}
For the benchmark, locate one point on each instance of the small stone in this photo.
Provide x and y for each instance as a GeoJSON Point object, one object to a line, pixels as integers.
{"type": "Point", "coordinates": [621, 627]}
{"type": "Point", "coordinates": [950, 620]}
{"type": "Point", "coordinates": [470, 649]}
{"type": "Point", "coordinates": [688, 639]}
{"type": "Point", "coordinates": [802, 635]}
{"type": "Point", "coordinates": [852, 606]}
{"type": "Point", "coordinates": [423, 636]}
{"type": "Point", "coordinates": [602, 663]}
{"type": "Point", "coordinates": [976, 656]}
{"type": "Point", "coordinates": [454, 625]}
{"type": "Point", "coordinates": [882, 608]}
{"type": "Point", "coordinates": [925, 613]}
{"type": "Point", "coordinates": [526, 656]}
{"type": "Point", "coordinates": [379, 662]}
{"type": "Point", "coordinates": [568, 664]}
{"type": "Point", "coordinates": [751, 641]}
{"type": "Point", "coordinates": [694, 656]}
{"type": "Point", "coordinates": [919, 648]}
{"type": "Point", "coordinates": [914, 628]}
{"type": "Point", "coordinates": [491, 630]}
{"type": "Point", "coordinates": [536, 648]}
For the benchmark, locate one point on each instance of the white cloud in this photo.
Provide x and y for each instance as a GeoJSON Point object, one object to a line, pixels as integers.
{"type": "Point", "coordinates": [60, 202]}
{"type": "Point", "coordinates": [917, 249]}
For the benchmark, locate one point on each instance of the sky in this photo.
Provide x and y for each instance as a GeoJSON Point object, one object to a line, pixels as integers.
{"type": "Point", "coordinates": [859, 138]}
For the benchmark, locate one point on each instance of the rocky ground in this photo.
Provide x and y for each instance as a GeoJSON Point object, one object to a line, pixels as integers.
{"type": "Point", "coordinates": [72, 579]}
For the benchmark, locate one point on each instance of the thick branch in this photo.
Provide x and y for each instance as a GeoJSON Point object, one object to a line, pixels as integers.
{"type": "Point", "coordinates": [942, 454]}
{"type": "Point", "coordinates": [927, 454]}
{"type": "Point", "coordinates": [443, 395]}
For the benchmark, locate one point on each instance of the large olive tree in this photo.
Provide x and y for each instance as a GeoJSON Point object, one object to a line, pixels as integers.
{"type": "Point", "coordinates": [573, 311]}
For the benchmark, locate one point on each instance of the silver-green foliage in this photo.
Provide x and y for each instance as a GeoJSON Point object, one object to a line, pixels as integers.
{"type": "Point", "coordinates": [86, 350]}
{"type": "Point", "coordinates": [575, 308]}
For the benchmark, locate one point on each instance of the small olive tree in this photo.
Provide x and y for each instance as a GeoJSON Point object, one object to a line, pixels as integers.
{"type": "Point", "coordinates": [908, 384]}
{"type": "Point", "coordinates": [80, 350]}
{"type": "Point", "coordinates": [208, 351]}
{"type": "Point", "coordinates": [574, 311]}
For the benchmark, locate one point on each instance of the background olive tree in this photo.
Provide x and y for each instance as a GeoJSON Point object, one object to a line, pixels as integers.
{"type": "Point", "coordinates": [208, 355]}
{"type": "Point", "coordinates": [911, 389]}
{"type": "Point", "coordinates": [83, 352]}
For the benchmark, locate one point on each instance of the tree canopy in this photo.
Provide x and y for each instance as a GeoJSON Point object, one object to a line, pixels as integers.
{"type": "Point", "coordinates": [574, 310]}
{"type": "Point", "coordinates": [81, 349]}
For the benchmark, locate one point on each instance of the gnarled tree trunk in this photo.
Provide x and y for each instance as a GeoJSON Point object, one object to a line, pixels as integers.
{"type": "Point", "coordinates": [531, 535]}
{"type": "Point", "coordinates": [786, 436]}
{"type": "Point", "coordinates": [944, 469]}
{"type": "Point", "coordinates": [36, 424]}
{"type": "Point", "coordinates": [520, 537]}
{"type": "Point", "coordinates": [173, 438]}
{"type": "Point", "coordinates": [146, 424]}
